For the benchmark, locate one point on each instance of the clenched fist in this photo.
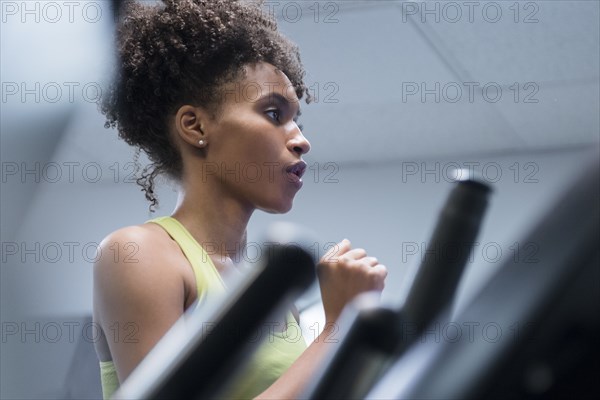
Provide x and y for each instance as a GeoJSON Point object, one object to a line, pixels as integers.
{"type": "Point", "coordinates": [344, 273]}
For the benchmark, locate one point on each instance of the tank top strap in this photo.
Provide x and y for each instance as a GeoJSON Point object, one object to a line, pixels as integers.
{"type": "Point", "coordinates": [208, 279]}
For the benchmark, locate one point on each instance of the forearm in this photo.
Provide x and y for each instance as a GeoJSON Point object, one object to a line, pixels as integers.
{"type": "Point", "coordinates": [292, 383]}
{"type": "Point", "coordinates": [343, 273]}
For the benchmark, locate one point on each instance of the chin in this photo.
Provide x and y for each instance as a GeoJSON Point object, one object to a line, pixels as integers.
{"type": "Point", "coordinates": [280, 208]}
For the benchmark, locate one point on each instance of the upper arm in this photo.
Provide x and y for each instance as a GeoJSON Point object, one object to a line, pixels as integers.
{"type": "Point", "coordinates": [138, 295]}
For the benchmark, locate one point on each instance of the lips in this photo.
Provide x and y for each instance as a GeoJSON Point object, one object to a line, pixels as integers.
{"type": "Point", "coordinates": [297, 169]}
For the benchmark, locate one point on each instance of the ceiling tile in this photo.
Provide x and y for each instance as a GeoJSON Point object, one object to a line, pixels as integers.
{"type": "Point", "coordinates": [563, 115]}
{"type": "Point", "coordinates": [509, 42]}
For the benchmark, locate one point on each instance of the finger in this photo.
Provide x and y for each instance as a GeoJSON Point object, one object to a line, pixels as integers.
{"type": "Point", "coordinates": [344, 246]}
{"type": "Point", "coordinates": [379, 269]}
{"type": "Point", "coordinates": [356, 254]}
{"type": "Point", "coordinates": [370, 261]}
{"type": "Point", "coordinates": [378, 274]}
{"type": "Point", "coordinates": [337, 250]}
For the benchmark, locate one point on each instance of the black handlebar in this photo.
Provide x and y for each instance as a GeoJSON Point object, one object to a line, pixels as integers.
{"type": "Point", "coordinates": [373, 336]}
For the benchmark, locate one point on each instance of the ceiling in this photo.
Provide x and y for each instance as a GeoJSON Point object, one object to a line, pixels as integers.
{"type": "Point", "coordinates": [404, 79]}
{"type": "Point", "coordinates": [394, 80]}
{"type": "Point", "coordinates": [382, 57]}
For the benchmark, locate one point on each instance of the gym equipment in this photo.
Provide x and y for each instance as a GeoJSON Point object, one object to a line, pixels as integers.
{"type": "Point", "coordinates": [543, 313]}
{"type": "Point", "coordinates": [375, 335]}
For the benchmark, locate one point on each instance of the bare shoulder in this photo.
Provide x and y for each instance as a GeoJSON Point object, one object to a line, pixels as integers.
{"type": "Point", "coordinates": [139, 264]}
{"type": "Point", "coordinates": [138, 248]}
{"type": "Point", "coordinates": [140, 288]}
{"type": "Point", "coordinates": [130, 244]}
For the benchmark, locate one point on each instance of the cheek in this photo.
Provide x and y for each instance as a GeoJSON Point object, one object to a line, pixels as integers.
{"type": "Point", "coordinates": [262, 147]}
{"type": "Point", "coordinates": [255, 157]}
{"type": "Point", "coordinates": [250, 144]}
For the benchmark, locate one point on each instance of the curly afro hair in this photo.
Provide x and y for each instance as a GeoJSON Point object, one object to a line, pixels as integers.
{"type": "Point", "coordinates": [182, 52]}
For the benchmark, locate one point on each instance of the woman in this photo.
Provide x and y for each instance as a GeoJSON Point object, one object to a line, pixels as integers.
{"type": "Point", "coordinates": [207, 88]}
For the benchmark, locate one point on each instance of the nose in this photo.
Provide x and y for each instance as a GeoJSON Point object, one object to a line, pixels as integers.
{"type": "Point", "coordinates": [298, 143]}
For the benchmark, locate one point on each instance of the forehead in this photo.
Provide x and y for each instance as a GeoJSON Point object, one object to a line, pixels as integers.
{"type": "Point", "coordinates": [260, 81]}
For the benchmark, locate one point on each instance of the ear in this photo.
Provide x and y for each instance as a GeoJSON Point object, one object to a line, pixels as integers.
{"type": "Point", "coordinates": [189, 125]}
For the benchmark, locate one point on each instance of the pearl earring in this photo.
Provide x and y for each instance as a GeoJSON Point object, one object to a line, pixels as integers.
{"type": "Point", "coordinates": [201, 142]}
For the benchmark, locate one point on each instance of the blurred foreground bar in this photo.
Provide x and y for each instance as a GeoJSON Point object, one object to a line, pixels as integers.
{"type": "Point", "coordinates": [192, 362]}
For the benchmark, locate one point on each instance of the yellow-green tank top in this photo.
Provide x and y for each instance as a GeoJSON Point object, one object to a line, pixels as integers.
{"type": "Point", "coordinates": [277, 352]}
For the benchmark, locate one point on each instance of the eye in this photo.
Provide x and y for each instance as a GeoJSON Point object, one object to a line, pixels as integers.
{"type": "Point", "coordinates": [275, 114]}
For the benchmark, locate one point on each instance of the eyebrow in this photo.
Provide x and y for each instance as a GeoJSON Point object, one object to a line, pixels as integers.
{"type": "Point", "coordinates": [282, 100]}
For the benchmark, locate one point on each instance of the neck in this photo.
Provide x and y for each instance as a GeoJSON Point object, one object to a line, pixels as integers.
{"type": "Point", "coordinates": [217, 221]}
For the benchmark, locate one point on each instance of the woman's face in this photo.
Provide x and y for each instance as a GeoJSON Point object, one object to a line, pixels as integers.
{"type": "Point", "coordinates": [255, 146]}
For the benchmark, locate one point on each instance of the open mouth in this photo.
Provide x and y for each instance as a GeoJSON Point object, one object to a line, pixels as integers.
{"type": "Point", "coordinates": [297, 169]}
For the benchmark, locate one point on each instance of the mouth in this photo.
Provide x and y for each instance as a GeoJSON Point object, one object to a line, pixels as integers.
{"type": "Point", "coordinates": [298, 169]}
{"type": "Point", "coordinates": [294, 174]}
